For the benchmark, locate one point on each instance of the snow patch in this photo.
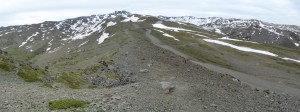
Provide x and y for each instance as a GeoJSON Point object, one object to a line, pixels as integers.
{"type": "Point", "coordinates": [4, 48]}
{"type": "Point", "coordinates": [270, 29]}
{"type": "Point", "coordinates": [82, 29]}
{"type": "Point", "coordinates": [111, 24]}
{"type": "Point", "coordinates": [29, 38]}
{"type": "Point", "coordinates": [83, 43]}
{"type": "Point", "coordinates": [103, 37]}
{"type": "Point", "coordinates": [219, 31]}
{"type": "Point", "coordinates": [246, 49]}
{"type": "Point", "coordinates": [56, 49]}
{"type": "Point", "coordinates": [132, 19]}
{"type": "Point", "coordinates": [49, 44]}
{"type": "Point", "coordinates": [48, 49]}
{"type": "Point", "coordinates": [161, 26]}
{"type": "Point", "coordinates": [227, 38]}
{"type": "Point", "coordinates": [296, 44]}
{"type": "Point", "coordinates": [200, 35]}
{"type": "Point", "coordinates": [285, 58]}
{"type": "Point", "coordinates": [167, 35]}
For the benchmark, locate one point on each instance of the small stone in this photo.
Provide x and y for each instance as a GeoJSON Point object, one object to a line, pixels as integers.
{"type": "Point", "coordinates": [93, 104]}
{"type": "Point", "coordinates": [205, 107]}
{"type": "Point", "coordinates": [149, 65]}
{"type": "Point", "coordinates": [56, 85]}
{"type": "Point", "coordinates": [5, 102]}
{"type": "Point", "coordinates": [144, 70]}
{"type": "Point", "coordinates": [213, 105]}
{"type": "Point", "coordinates": [235, 80]}
{"type": "Point", "coordinates": [172, 78]}
{"type": "Point", "coordinates": [111, 67]}
{"type": "Point", "coordinates": [116, 97]}
{"type": "Point", "coordinates": [267, 91]}
{"type": "Point", "coordinates": [168, 87]}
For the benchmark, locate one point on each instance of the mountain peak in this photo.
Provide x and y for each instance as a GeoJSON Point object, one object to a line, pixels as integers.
{"type": "Point", "coordinates": [122, 12]}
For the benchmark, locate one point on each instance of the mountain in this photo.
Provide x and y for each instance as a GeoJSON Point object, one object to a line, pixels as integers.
{"type": "Point", "coordinates": [132, 62]}
{"type": "Point", "coordinates": [250, 30]}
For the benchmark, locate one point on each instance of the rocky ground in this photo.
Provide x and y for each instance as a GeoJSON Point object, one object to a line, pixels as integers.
{"type": "Point", "coordinates": [164, 82]}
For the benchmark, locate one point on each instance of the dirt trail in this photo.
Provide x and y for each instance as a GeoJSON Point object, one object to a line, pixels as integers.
{"type": "Point", "coordinates": [245, 78]}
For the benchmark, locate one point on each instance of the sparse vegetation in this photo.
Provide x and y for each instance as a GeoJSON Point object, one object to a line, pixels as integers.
{"type": "Point", "coordinates": [19, 53]}
{"type": "Point", "coordinates": [204, 57]}
{"type": "Point", "coordinates": [91, 69]}
{"type": "Point", "coordinates": [30, 75]}
{"type": "Point", "coordinates": [72, 80]}
{"type": "Point", "coordinates": [283, 65]}
{"type": "Point", "coordinates": [67, 103]}
{"type": "Point", "coordinates": [107, 57]}
{"type": "Point", "coordinates": [5, 64]}
{"type": "Point", "coordinates": [111, 75]}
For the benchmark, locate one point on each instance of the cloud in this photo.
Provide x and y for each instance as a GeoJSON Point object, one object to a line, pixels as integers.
{"type": "Point", "coordinates": [15, 12]}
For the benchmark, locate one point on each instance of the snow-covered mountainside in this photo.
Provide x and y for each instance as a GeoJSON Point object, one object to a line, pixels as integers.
{"type": "Point", "coordinates": [59, 33]}
{"type": "Point", "coordinates": [250, 30]}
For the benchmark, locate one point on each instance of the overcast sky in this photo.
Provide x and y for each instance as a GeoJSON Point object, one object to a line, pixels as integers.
{"type": "Point", "coordinates": [17, 12]}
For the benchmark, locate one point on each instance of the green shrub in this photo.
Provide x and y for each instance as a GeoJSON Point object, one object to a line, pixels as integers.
{"type": "Point", "coordinates": [4, 64]}
{"type": "Point", "coordinates": [72, 80]}
{"type": "Point", "coordinates": [111, 75]}
{"type": "Point", "coordinates": [66, 103]}
{"type": "Point", "coordinates": [107, 57]}
{"type": "Point", "coordinates": [30, 75]}
{"type": "Point", "coordinates": [5, 67]}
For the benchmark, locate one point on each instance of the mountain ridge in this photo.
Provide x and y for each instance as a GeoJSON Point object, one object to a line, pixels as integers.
{"type": "Point", "coordinates": [250, 30]}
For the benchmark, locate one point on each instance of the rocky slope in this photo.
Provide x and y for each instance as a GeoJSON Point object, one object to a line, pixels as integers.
{"type": "Point", "coordinates": [131, 62]}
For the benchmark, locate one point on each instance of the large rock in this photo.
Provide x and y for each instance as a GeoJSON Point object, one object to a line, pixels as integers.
{"type": "Point", "coordinates": [167, 87]}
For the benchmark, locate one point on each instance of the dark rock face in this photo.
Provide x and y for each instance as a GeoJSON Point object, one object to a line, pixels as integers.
{"type": "Point", "coordinates": [110, 76]}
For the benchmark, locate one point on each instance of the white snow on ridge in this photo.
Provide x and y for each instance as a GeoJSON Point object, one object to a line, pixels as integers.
{"type": "Point", "coordinates": [167, 35]}
{"type": "Point", "coordinates": [111, 24]}
{"type": "Point", "coordinates": [56, 49]}
{"type": "Point", "coordinates": [200, 35]}
{"type": "Point", "coordinates": [271, 29]}
{"type": "Point", "coordinates": [219, 31]}
{"type": "Point", "coordinates": [4, 48]}
{"type": "Point", "coordinates": [49, 44]}
{"type": "Point", "coordinates": [132, 19]}
{"type": "Point", "coordinates": [226, 38]}
{"type": "Point", "coordinates": [161, 26]}
{"type": "Point", "coordinates": [246, 49]}
{"type": "Point", "coordinates": [29, 38]}
{"type": "Point", "coordinates": [83, 43]}
{"type": "Point", "coordinates": [48, 49]}
{"type": "Point", "coordinates": [80, 30]}
{"type": "Point", "coordinates": [296, 44]}
{"type": "Point", "coordinates": [103, 37]}
{"type": "Point", "coordinates": [285, 58]}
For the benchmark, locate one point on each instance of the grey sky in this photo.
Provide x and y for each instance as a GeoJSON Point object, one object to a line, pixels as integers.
{"type": "Point", "coordinates": [16, 12]}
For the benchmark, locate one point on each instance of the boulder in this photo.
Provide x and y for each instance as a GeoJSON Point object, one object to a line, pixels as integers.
{"type": "Point", "coordinates": [167, 87]}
